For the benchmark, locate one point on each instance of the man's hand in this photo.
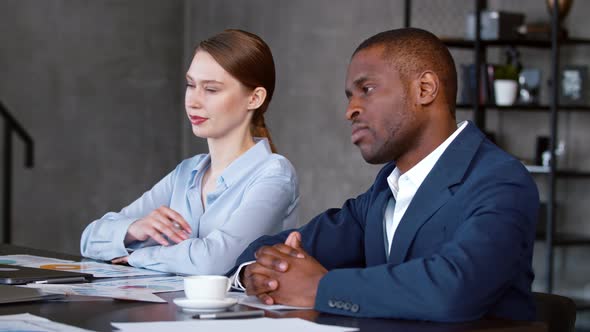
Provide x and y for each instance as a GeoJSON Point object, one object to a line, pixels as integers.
{"type": "Point", "coordinates": [283, 274]}
{"type": "Point", "coordinates": [294, 241]}
{"type": "Point", "coordinates": [255, 277]}
{"type": "Point", "coordinates": [160, 222]}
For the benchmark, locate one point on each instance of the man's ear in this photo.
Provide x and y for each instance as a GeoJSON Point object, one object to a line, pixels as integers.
{"type": "Point", "coordinates": [257, 98]}
{"type": "Point", "coordinates": [428, 87]}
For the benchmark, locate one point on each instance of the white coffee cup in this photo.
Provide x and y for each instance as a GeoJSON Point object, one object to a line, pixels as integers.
{"type": "Point", "coordinates": [206, 287]}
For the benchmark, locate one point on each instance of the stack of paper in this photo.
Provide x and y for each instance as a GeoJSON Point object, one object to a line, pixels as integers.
{"type": "Point", "coordinates": [257, 324]}
{"type": "Point", "coordinates": [98, 270]}
{"type": "Point", "coordinates": [138, 289]}
{"type": "Point", "coordinates": [28, 322]}
{"type": "Point", "coordinates": [253, 301]}
{"type": "Point", "coordinates": [104, 291]}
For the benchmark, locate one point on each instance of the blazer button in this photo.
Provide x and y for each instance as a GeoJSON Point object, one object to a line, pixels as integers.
{"type": "Point", "coordinates": [354, 308]}
{"type": "Point", "coordinates": [339, 304]}
{"type": "Point", "coordinates": [347, 306]}
{"type": "Point", "coordinates": [331, 304]}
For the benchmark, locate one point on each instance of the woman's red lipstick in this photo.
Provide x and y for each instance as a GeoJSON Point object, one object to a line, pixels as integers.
{"type": "Point", "coordinates": [197, 120]}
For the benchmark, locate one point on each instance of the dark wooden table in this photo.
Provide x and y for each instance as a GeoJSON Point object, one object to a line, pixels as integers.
{"type": "Point", "coordinates": [98, 313]}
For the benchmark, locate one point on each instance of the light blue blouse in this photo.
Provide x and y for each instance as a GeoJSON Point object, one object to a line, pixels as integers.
{"type": "Point", "coordinates": [256, 194]}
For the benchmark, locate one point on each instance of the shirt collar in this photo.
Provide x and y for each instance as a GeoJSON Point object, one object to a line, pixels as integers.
{"type": "Point", "coordinates": [418, 173]}
{"type": "Point", "coordinates": [199, 167]}
{"type": "Point", "coordinates": [244, 164]}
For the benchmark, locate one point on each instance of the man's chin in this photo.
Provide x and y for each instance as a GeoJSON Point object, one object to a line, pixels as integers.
{"type": "Point", "coordinates": [375, 161]}
{"type": "Point", "coordinates": [371, 157]}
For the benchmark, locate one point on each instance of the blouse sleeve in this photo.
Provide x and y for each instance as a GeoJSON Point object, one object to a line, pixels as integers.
{"type": "Point", "coordinates": [267, 202]}
{"type": "Point", "coordinates": [104, 238]}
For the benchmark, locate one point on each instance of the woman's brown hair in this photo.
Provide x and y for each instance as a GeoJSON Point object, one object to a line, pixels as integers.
{"type": "Point", "coordinates": [247, 58]}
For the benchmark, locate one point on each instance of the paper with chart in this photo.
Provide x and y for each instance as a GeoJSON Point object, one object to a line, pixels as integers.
{"type": "Point", "coordinates": [28, 322]}
{"type": "Point", "coordinates": [102, 270]}
{"type": "Point", "coordinates": [153, 284]}
{"type": "Point", "coordinates": [223, 325]}
{"type": "Point", "coordinates": [94, 289]}
{"type": "Point", "coordinates": [98, 270]}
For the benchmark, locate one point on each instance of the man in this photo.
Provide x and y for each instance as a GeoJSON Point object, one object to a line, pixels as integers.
{"type": "Point", "coordinates": [446, 231]}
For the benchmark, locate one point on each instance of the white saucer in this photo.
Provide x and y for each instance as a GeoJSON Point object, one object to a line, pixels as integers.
{"type": "Point", "coordinates": [204, 305]}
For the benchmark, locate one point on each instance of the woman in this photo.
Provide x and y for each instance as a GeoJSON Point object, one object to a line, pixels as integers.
{"type": "Point", "coordinates": [202, 215]}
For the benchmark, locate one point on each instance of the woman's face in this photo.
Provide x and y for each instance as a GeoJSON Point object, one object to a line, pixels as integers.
{"type": "Point", "coordinates": [215, 102]}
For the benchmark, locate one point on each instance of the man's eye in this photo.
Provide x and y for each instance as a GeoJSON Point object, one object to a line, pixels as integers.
{"type": "Point", "coordinates": [189, 84]}
{"type": "Point", "coordinates": [368, 89]}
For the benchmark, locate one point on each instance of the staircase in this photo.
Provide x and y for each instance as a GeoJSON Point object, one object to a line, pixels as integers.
{"type": "Point", "coordinates": [11, 127]}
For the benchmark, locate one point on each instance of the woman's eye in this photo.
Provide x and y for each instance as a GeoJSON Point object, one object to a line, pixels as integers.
{"type": "Point", "coordinates": [210, 89]}
{"type": "Point", "coordinates": [189, 84]}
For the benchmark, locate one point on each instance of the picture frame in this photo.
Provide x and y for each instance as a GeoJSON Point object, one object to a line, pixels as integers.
{"type": "Point", "coordinates": [573, 85]}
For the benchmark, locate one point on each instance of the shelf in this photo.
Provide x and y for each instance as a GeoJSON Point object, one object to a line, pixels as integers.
{"type": "Point", "coordinates": [581, 304]}
{"type": "Point", "coordinates": [566, 239]}
{"type": "Point", "coordinates": [530, 108]}
{"type": "Point", "coordinates": [536, 43]}
{"type": "Point", "coordinates": [542, 43]}
{"type": "Point", "coordinates": [544, 170]}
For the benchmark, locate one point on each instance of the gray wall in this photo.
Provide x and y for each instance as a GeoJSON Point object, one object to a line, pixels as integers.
{"type": "Point", "coordinates": [99, 85]}
{"type": "Point", "coordinates": [312, 42]}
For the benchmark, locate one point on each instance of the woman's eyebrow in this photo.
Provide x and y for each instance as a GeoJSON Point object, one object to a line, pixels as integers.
{"type": "Point", "coordinates": [189, 78]}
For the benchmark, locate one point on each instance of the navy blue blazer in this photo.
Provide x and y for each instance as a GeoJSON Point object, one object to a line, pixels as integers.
{"type": "Point", "coordinates": [463, 249]}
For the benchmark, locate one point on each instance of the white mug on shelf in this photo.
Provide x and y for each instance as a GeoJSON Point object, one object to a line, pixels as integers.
{"type": "Point", "coordinates": [505, 92]}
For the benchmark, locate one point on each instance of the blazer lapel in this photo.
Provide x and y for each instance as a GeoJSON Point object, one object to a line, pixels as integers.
{"type": "Point", "coordinates": [374, 235]}
{"type": "Point", "coordinates": [434, 191]}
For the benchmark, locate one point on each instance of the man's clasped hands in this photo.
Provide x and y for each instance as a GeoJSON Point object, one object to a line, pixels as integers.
{"type": "Point", "coordinates": [284, 273]}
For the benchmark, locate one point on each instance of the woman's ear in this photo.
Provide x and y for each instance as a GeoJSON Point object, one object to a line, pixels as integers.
{"type": "Point", "coordinates": [257, 98]}
{"type": "Point", "coordinates": [429, 86]}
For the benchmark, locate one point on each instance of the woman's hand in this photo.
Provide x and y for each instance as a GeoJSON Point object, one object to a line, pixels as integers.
{"type": "Point", "coordinates": [160, 222]}
{"type": "Point", "coordinates": [121, 260]}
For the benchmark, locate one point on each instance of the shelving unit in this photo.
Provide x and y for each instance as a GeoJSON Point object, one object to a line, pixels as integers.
{"type": "Point", "coordinates": [566, 239]}
{"type": "Point", "coordinates": [550, 173]}
{"type": "Point", "coordinates": [535, 43]}
{"type": "Point", "coordinates": [570, 173]}
{"type": "Point", "coordinates": [530, 107]}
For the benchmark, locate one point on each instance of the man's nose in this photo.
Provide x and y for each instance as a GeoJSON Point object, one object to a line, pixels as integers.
{"type": "Point", "coordinates": [353, 110]}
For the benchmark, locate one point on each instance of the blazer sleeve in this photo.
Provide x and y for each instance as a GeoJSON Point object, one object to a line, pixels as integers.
{"type": "Point", "coordinates": [335, 237]}
{"type": "Point", "coordinates": [463, 279]}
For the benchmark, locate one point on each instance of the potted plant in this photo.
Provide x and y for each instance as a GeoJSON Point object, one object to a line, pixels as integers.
{"type": "Point", "coordinates": [506, 79]}
{"type": "Point", "coordinates": [505, 84]}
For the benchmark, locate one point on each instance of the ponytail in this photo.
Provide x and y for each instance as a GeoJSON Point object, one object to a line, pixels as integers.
{"type": "Point", "coordinates": [258, 128]}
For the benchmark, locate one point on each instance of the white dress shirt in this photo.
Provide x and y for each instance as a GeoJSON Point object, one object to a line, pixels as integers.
{"type": "Point", "coordinates": [404, 186]}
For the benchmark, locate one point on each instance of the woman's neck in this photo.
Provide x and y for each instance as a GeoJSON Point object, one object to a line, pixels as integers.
{"type": "Point", "coordinates": [223, 151]}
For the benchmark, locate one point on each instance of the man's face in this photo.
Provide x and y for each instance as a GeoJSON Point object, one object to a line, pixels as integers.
{"type": "Point", "coordinates": [382, 118]}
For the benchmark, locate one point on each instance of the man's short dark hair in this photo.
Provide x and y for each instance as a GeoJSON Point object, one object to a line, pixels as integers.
{"type": "Point", "coordinates": [412, 51]}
